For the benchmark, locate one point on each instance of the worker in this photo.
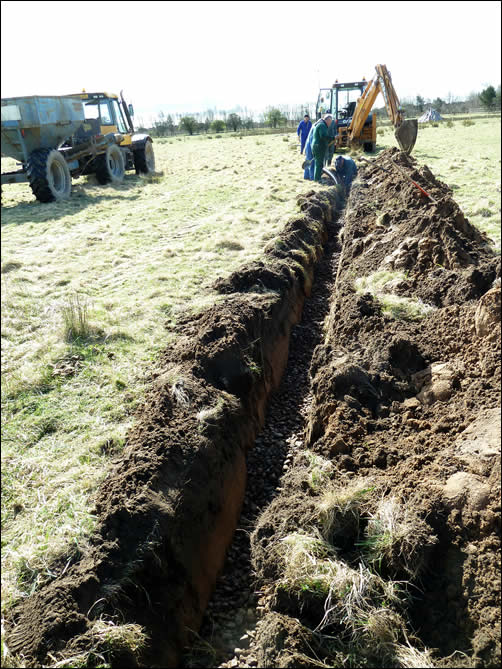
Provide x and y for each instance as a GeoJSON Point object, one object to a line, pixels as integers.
{"type": "Point", "coordinates": [320, 141]}
{"type": "Point", "coordinates": [308, 165]}
{"type": "Point", "coordinates": [303, 131]}
{"type": "Point", "coordinates": [331, 145]}
{"type": "Point", "coordinates": [346, 169]}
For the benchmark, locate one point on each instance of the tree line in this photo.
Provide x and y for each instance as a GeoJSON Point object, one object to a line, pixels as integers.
{"type": "Point", "coordinates": [488, 99]}
{"type": "Point", "coordinates": [167, 125]}
{"type": "Point", "coordinates": [288, 116]}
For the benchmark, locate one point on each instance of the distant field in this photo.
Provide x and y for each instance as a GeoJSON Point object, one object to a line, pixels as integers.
{"type": "Point", "coordinates": [137, 257]}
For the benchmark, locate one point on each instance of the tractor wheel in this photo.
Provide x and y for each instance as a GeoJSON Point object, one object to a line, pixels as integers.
{"type": "Point", "coordinates": [110, 166]}
{"type": "Point", "coordinates": [49, 175]}
{"type": "Point", "coordinates": [144, 159]}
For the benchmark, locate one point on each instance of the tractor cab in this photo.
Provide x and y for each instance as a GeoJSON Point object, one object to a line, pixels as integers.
{"type": "Point", "coordinates": [104, 114]}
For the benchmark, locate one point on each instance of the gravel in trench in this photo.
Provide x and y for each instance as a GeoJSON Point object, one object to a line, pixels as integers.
{"type": "Point", "coordinates": [226, 635]}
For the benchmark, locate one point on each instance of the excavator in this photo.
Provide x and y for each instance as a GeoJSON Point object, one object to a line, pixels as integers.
{"type": "Point", "coordinates": [351, 104]}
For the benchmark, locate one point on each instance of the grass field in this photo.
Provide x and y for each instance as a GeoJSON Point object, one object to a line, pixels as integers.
{"type": "Point", "coordinates": [92, 287]}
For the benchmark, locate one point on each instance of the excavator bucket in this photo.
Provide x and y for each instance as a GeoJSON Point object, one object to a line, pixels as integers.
{"type": "Point", "coordinates": [406, 135]}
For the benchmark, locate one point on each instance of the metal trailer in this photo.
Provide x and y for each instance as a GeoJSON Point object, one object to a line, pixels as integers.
{"type": "Point", "coordinates": [41, 134]}
{"type": "Point", "coordinates": [33, 128]}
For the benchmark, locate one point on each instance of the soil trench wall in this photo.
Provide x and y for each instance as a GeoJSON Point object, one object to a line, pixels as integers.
{"type": "Point", "coordinates": [400, 481]}
{"type": "Point", "coordinates": [168, 509]}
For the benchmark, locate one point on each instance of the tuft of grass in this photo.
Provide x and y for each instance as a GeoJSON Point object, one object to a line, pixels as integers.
{"type": "Point", "coordinates": [308, 563]}
{"type": "Point", "coordinates": [394, 306]}
{"type": "Point", "coordinates": [319, 470]}
{"type": "Point", "coordinates": [340, 510]}
{"type": "Point", "coordinates": [75, 312]}
{"type": "Point", "coordinates": [106, 639]}
{"type": "Point", "coordinates": [409, 657]}
{"type": "Point", "coordinates": [404, 308]}
{"type": "Point", "coordinates": [396, 538]}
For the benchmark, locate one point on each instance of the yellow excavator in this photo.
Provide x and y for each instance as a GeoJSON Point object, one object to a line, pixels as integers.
{"type": "Point", "coordinates": [351, 104]}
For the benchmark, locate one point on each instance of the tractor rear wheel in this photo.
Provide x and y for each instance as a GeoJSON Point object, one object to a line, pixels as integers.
{"type": "Point", "coordinates": [49, 175]}
{"type": "Point", "coordinates": [110, 166]}
{"type": "Point", "coordinates": [144, 159]}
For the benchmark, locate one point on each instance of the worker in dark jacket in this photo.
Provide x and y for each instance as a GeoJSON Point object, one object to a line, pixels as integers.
{"type": "Point", "coordinates": [346, 169]}
{"type": "Point", "coordinates": [320, 140]}
{"type": "Point", "coordinates": [303, 131]}
{"type": "Point", "coordinates": [330, 151]}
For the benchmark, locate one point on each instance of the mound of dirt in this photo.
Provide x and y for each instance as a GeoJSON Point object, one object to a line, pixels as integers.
{"type": "Point", "coordinates": [168, 509]}
{"type": "Point", "coordinates": [405, 426]}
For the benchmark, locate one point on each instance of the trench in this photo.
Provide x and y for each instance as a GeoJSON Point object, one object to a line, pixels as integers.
{"type": "Point", "coordinates": [227, 416]}
{"type": "Point", "coordinates": [231, 614]}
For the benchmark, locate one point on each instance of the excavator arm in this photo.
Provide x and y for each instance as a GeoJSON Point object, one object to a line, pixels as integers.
{"type": "Point", "coordinates": [405, 131]}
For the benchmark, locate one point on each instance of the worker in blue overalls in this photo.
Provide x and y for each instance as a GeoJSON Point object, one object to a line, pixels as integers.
{"type": "Point", "coordinates": [303, 131]}
{"type": "Point", "coordinates": [309, 164]}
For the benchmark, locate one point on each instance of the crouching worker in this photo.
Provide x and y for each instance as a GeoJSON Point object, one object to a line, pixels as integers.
{"type": "Point", "coordinates": [346, 170]}
{"type": "Point", "coordinates": [320, 140]}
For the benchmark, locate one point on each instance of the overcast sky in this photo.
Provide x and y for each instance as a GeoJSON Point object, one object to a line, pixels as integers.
{"type": "Point", "coordinates": [191, 56]}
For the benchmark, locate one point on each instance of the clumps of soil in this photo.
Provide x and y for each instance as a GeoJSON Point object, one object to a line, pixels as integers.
{"type": "Point", "coordinates": [167, 511]}
{"type": "Point", "coordinates": [400, 487]}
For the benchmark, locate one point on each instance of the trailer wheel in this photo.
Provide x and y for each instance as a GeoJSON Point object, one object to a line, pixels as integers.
{"type": "Point", "coordinates": [110, 166]}
{"type": "Point", "coordinates": [144, 159]}
{"type": "Point", "coordinates": [49, 175]}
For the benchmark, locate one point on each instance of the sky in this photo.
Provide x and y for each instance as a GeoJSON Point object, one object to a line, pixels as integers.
{"type": "Point", "coordinates": [193, 56]}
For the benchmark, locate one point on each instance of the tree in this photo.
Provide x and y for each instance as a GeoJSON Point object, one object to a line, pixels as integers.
{"type": "Point", "coordinates": [274, 117]}
{"type": "Point", "coordinates": [189, 124]}
{"type": "Point", "coordinates": [170, 124]}
{"type": "Point", "coordinates": [420, 102]}
{"type": "Point", "coordinates": [160, 125]}
{"type": "Point", "coordinates": [487, 98]}
{"type": "Point", "coordinates": [438, 104]}
{"type": "Point", "coordinates": [218, 126]}
{"type": "Point", "coordinates": [234, 121]}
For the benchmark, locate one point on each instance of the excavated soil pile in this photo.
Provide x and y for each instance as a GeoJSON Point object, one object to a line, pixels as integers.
{"type": "Point", "coordinates": [167, 511]}
{"type": "Point", "coordinates": [383, 547]}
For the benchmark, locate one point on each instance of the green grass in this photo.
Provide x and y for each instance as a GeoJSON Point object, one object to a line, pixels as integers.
{"type": "Point", "coordinates": [92, 288]}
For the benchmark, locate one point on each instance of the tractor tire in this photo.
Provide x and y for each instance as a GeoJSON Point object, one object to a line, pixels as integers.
{"type": "Point", "coordinates": [49, 175]}
{"type": "Point", "coordinates": [144, 159]}
{"type": "Point", "coordinates": [110, 166]}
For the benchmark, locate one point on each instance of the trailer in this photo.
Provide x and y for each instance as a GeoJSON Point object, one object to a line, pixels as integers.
{"type": "Point", "coordinates": [60, 137]}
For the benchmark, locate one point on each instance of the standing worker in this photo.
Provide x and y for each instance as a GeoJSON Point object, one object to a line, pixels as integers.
{"type": "Point", "coordinates": [308, 165]}
{"type": "Point", "coordinates": [346, 169]}
{"type": "Point", "coordinates": [331, 145]}
{"type": "Point", "coordinates": [303, 131]}
{"type": "Point", "coordinates": [320, 140]}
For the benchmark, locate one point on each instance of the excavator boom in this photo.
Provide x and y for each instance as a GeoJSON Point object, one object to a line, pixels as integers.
{"type": "Point", "coordinates": [405, 131]}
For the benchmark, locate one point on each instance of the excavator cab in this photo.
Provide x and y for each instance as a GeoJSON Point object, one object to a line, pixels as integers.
{"type": "Point", "coordinates": [341, 101]}
{"type": "Point", "coordinates": [351, 106]}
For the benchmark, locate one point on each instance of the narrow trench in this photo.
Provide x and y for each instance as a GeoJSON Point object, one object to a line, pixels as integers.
{"type": "Point", "coordinates": [231, 614]}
